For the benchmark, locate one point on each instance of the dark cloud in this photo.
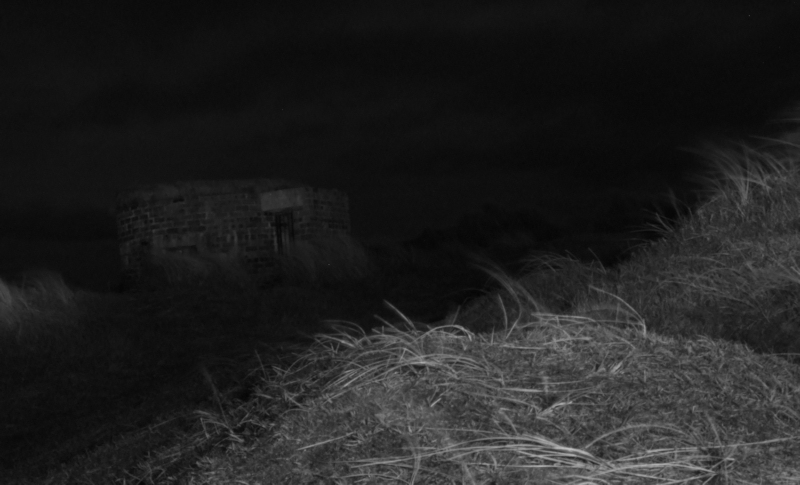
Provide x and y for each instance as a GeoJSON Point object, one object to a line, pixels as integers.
{"type": "Point", "coordinates": [411, 107]}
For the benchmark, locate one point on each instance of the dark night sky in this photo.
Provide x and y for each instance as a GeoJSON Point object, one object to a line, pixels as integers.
{"type": "Point", "coordinates": [421, 111]}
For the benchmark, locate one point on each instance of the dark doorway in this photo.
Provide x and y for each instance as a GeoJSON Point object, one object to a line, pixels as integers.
{"type": "Point", "coordinates": [284, 231]}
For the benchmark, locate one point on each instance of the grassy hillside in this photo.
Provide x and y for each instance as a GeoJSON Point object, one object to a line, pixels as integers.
{"type": "Point", "coordinates": [677, 366]}
{"type": "Point", "coordinates": [732, 270]}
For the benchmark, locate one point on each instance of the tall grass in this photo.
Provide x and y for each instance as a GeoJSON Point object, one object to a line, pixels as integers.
{"type": "Point", "coordinates": [325, 261]}
{"type": "Point", "coordinates": [175, 270]}
{"type": "Point", "coordinates": [35, 305]}
{"type": "Point", "coordinates": [731, 268]}
{"type": "Point", "coordinates": [551, 398]}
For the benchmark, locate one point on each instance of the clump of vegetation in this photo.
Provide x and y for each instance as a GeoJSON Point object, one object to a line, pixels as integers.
{"type": "Point", "coordinates": [324, 261]}
{"type": "Point", "coordinates": [551, 399]}
{"type": "Point", "coordinates": [37, 297]}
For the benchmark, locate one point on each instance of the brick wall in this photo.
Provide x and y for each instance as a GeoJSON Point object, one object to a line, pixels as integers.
{"type": "Point", "coordinates": [222, 217]}
{"type": "Point", "coordinates": [325, 213]}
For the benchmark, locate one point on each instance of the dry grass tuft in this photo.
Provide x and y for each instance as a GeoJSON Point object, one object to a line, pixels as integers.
{"type": "Point", "coordinates": [552, 399]}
